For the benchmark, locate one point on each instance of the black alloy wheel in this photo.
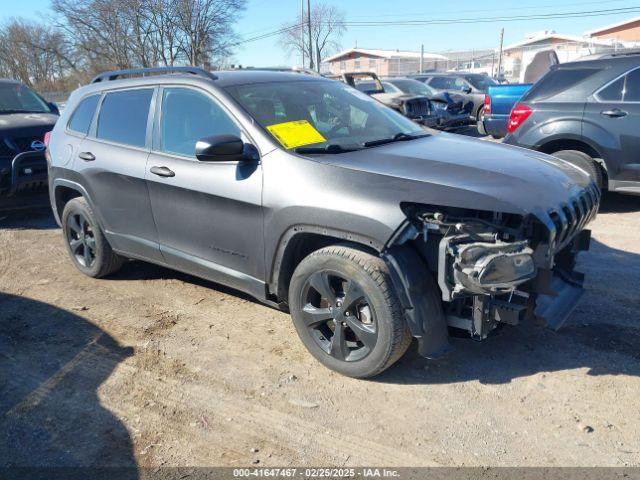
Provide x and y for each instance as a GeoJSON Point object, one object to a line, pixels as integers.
{"type": "Point", "coordinates": [338, 316]}
{"type": "Point", "coordinates": [81, 239]}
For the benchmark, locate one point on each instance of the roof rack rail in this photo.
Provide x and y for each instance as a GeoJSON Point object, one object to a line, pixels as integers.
{"type": "Point", "coordinates": [143, 72]}
{"type": "Point", "coordinates": [623, 53]}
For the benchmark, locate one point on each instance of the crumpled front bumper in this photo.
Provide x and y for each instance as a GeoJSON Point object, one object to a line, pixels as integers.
{"type": "Point", "coordinates": [558, 291]}
{"type": "Point", "coordinates": [27, 170]}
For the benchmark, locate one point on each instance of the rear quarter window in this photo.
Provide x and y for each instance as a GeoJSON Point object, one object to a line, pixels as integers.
{"type": "Point", "coordinates": [83, 114]}
{"type": "Point", "coordinates": [123, 117]}
{"type": "Point", "coordinates": [557, 81]}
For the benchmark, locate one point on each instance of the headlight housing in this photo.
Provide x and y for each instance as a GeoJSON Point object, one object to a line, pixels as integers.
{"type": "Point", "coordinates": [490, 268]}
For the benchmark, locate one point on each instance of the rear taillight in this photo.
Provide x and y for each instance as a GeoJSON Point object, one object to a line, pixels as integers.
{"type": "Point", "coordinates": [47, 137]}
{"type": "Point", "coordinates": [518, 115]}
{"type": "Point", "coordinates": [487, 105]}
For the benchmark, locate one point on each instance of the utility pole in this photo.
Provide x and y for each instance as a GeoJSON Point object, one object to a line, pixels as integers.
{"type": "Point", "coordinates": [310, 39]}
{"type": "Point", "coordinates": [421, 58]}
{"type": "Point", "coordinates": [302, 30]}
{"type": "Point", "coordinates": [500, 54]}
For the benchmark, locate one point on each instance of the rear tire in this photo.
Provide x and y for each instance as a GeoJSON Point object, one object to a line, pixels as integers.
{"type": "Point", "coordinates": [87, 246]}
{"type": "Point", "coordinates": [346, 311]}
{"type": "Point", "coordinates": [583, 161]}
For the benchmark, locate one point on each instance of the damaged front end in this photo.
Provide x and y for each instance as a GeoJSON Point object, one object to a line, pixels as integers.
{"type": "Point", "coordinates": [493, 268]}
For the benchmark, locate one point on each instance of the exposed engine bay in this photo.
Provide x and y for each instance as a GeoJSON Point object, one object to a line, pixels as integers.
{"type": "Point", "coordinates": [493, 268]}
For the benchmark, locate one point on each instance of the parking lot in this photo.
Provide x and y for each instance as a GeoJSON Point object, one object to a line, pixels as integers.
{"type": "Point", "coordinates": [152, 367]}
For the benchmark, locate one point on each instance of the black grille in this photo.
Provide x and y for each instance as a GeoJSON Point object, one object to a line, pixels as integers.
{"type": "Point", "coordinates": [10, 147]}
{"type": "Point", "coordinates": [417, 107]}
{"type": "Point", "coordinates": [24, 143]}
{"type": "Point", "coordinates": [571, 218]}
{"type": "Point", "coordinates": [5, 151]}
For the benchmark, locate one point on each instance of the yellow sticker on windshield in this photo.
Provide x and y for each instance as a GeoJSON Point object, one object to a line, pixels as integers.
{"type": "Point", "coordinates": [295, 134]}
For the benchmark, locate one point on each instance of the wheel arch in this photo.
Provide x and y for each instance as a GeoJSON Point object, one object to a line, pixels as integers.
{"type": "Point", "coordinates": [301, 240]}
{"type": "Point", "coordinates": [579, 144]}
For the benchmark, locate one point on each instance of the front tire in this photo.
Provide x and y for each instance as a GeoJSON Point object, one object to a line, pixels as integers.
{"type": "Point", "coordinates": [347, 312]}
{"type": "Point", "coordinates": [87, 246]}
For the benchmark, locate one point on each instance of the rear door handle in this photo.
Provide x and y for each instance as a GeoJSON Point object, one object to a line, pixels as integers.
{"type": "Point", "coordinates": [614, 113]}
{"type": "Point", "coordinates": [162, 171]}
{"type": "Point", "coordinates": [87, 156]}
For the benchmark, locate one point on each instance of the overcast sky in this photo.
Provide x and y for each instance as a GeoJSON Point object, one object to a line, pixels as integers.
{"type": "Point", "coordinates": [263, 16]}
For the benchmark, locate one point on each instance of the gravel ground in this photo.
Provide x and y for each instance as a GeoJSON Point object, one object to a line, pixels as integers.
{"type": "Point", "coordinates": [152, 367]}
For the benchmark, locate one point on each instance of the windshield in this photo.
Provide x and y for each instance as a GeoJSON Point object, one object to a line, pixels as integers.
{"type": "Point", "coordinates": [413, 87]}
{"type": "Point", "coordinates": [323, 114]}
{"type": "Point", "coordinates": [481, 82]}
{"type": "Point", "coordinates": [15, 97]}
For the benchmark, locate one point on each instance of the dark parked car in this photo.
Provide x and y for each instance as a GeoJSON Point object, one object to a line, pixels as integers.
{"type": "Point", "coordinates": [587, 113]}
{"type": "Point", "coordinates": [449, 108]}
{"type": "Point", "coordinates": [313, 197]}
{"type": "Point", "coordinates": [25, 117]}
{"type": "Point", "coordinates": [416, 107]}
{"type": "Point", "coordinates": [472, 86]}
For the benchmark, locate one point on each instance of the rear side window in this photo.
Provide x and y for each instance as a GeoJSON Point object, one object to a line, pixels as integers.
{"type": "Point", "coordinates": [123, 117]}
{"type": "Point", "coordinates": [558, 81]}
{"type": "Point", "coordinates": [443, 83]}
{"type": "Point", "coordinates": [82, 116]}
{"type": "Point", "coordinates": [624, 89]}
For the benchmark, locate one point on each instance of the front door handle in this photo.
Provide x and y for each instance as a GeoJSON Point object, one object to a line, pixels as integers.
{"type": "Point", "coordinates": [87, 156]}
{"type": "Point", "coordinates": [162, 171]}
{"type": "Point", "coordinates": [614, 113]}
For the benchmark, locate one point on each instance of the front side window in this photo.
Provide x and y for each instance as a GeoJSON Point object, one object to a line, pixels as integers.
{"type": "Point", "coordinates": [481, 82]}
{"type": "Point", "coordinates": [81, 118]}
{"type": "Point", "coordinates": [188, 116]}
{"type": "Point", "coordinates": [344, 117]}
{"type": "Point", "coordinates": [123, 117]}
{"type": "Point", "coordinates": [18, 98]}
{"type": "Point", "coordinates": [460, 84]}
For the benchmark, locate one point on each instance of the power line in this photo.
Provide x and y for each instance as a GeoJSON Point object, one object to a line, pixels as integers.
{"type": "Point", "coordinates": [446, 21]}
{"type": "Point", "coordinates": [449, 21]}
{"type": "Point", "coordinates": [507, 9]}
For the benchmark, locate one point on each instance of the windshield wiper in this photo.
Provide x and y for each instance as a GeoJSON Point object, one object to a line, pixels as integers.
{"type": "Point", "coordinates": [398, 137]}
{"type": "Point", "coordinates": [332, 148]}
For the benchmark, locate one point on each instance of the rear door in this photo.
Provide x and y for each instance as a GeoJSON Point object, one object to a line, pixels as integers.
{"type": "Point", "coordinates": [112, 162]}
{"type": "Point", "coordinates": [208, 214]}
{"type": "Point", "coordinates": [614, 110]}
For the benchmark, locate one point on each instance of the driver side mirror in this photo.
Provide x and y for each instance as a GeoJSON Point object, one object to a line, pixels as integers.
{"type": "Point", "coordinates": [224, 148]}
{"type": "Point", "coordinates": [466, 90]}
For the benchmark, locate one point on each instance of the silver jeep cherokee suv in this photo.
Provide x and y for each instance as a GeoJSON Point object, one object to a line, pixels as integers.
{"type": "Point", "coordinates": [312, 197]}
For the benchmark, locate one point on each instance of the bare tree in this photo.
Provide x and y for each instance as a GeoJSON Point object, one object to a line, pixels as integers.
{"type": "Point", "coordinates": [327, 28]}
{"type": "Point", "coordinates": [88, 36]}
{"type": "Point", "coordinates": [206, 28]}
{"type": "Point", "coordinates": [32, 52]}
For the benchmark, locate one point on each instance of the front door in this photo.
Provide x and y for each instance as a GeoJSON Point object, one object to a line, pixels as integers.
{"type": "Point", "coordinates": [111, 162]}
{"type": "Point", "coordinates": [208, 214]}
{"type": "Point", "coordinates": [614, 113]}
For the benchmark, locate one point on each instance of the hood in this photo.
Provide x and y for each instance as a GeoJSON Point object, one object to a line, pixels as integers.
{"type": "Point", "coordinates": [397, 98]}
{"type": "Point", "coordinates": [453, 170]}
{"type": "Point", "coordinates": [24, 124]}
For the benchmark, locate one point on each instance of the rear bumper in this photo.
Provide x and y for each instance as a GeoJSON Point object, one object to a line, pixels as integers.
{"type": "Point", "coordinates": [496, 125]}
{"type": "Point", "coordinates": [26, 171]}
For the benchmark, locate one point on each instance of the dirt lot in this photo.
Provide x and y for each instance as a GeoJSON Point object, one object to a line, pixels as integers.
{"type": "Point", "coordinates": [152, 367]}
